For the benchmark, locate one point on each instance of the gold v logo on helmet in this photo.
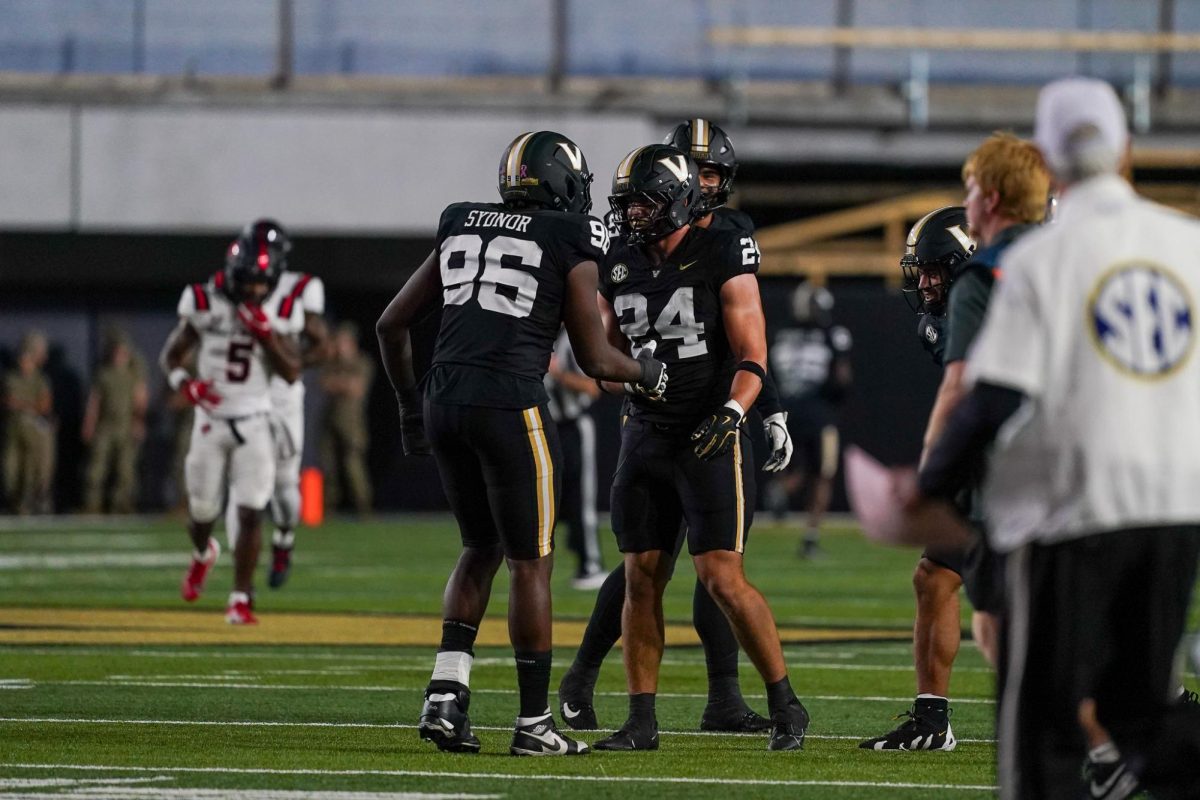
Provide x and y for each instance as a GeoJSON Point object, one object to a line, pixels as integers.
{"type": "Point", "coordinates": [574, 154]}
{"type": "Point", "coordinates": [677, 165]}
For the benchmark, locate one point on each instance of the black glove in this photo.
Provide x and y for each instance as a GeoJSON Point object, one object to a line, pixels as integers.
{"type": "Point", "coordinates": [412, 426]}
{"type": "Point", "coordinates": [717, 434]}
{"type": "Point", "coordinates": [653, 383]}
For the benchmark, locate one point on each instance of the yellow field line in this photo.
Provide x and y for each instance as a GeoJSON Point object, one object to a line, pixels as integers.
{"type": "Point", "coordinates": [51, 626]}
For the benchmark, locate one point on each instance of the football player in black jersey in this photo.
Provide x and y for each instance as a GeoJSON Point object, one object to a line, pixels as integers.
{"type": "Point", "coordinates": [507, 276]}
{"type": "Point", "coordinates": [690, 296]}
{"type": "Point", "coordinates": [937, 244]}
{"type": "Point", "coordinates": [726, 709]}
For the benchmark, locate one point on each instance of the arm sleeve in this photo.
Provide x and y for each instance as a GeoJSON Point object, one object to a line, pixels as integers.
{"type": "Point", "coordinates": [968, 305]}
{"type": "Point", "coordinates": [742, 256]}
{"type": "Point", "coordinates": [313, 298]}
{"type": "Point", "coordinates": [768, 403]}
{"type": "Point", "coordinates": [959, 452]}
{"type": "Point", "coordinates": [586, 239]}
{"type": "Point", "coordinates": [1012, 347]}
{"type": "Point", "coordinates": [194, 304]}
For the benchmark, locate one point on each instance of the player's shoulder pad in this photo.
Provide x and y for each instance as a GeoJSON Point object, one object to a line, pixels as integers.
{"type": "Point", "coordinates": [196, 302]}
{"type": "Point", "coordinates": [736, 250]}
{"type": "Point", "coordinates": [453, 215]}
{"type": "Point", "coordinates": [581, 237]}
{"type": "Point", "coordinates": [733, 219]}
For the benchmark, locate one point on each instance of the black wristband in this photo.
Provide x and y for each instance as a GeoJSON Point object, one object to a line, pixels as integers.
{"type": "Point", "coordinates": [754, 367]}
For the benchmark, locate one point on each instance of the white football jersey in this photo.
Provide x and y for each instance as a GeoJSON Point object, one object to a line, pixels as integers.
{"type": "Point", "coordinates": [308, 292]}
{"type": "Point", "coordinates": [229, 355]}
{"type": "Point", "coordinates": [1094, 321]}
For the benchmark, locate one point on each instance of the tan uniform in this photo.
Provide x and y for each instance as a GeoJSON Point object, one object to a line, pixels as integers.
{"type": "Point", "coordinates": [114, 448]}
{"type": "Point", "coordinates": [343, 446]}
{"type": "Point", "coordinates": [28, 444]}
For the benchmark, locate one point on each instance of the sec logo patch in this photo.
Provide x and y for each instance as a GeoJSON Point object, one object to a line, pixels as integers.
{"type": "Point", "coordinates": [619, 273]}
{"type": "Point", "coordinates": [1141, 319]}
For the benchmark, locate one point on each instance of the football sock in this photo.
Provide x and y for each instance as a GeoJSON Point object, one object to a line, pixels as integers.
{"type": "Point", "coordinates": [779, 694]}
{"type": "Point", "coordinates": [604, 626]}
{"type": "Point", "coordinates": [452, 668]}
{"type": "Point", "coordinates": [720, 648]}
{"type": "Point", "coordinates": [932, 705]}
{"type": "Point", "coordinates": [523, 721]}
{"type": "Point", "coordinates": [239, 597]}
{"type": "Point", "coordinates": [641, 710]}
{"type": "Point", "coordinates": [533, 681]}
{"type": "Point", "coordinates": [284, 539]}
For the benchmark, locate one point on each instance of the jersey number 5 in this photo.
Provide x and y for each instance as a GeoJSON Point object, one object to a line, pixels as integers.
{"type": "Point", "coordinates": [237, 367]}
{"type": "Point", "coordinates": [486, 271]}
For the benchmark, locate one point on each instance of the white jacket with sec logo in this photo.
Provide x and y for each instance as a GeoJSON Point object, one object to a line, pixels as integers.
{"type": "Point", "coordinates": [1094, 320]}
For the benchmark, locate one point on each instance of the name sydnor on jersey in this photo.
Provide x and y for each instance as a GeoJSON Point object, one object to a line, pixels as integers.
{"type": "Point", "coordinates": [497, 219]}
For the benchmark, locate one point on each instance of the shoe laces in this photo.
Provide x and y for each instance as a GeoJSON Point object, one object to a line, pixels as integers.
{"type": "Point", "coordinates": [916, 718]}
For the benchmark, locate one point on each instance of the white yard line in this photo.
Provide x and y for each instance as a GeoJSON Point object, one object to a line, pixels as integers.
{"type": "Point", "coordinates": [223, 684]}
{"type": "Point", "coordinates": [412, 773]}
{"type": "Point", "coordinates": [388, 726]}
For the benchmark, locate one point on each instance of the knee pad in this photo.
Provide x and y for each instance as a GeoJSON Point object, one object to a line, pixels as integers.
{"type": "Point", "coordinates": [285, 506]}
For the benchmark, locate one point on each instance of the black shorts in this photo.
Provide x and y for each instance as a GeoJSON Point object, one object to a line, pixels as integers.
{"type": "Point", "coordinates": [816, 452]}
{"type": "Point", "coordinates": [660, 483]}
{"type": "Point", "coordinates": [980, 567]}
{"type": "Point", "coordinates": [499, 469]}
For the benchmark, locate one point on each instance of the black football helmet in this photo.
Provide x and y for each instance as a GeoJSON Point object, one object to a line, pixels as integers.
{"type": "Point", "coordinates": [937, 243]}
{"type": "Point", "coordinates": [257, 255]}
{"type": "Point", "coordinates": [668, 179]}
{"type": "Point", "coordinates": [546, 169]}
{"type": "Point", "coordinates": [709, 146]}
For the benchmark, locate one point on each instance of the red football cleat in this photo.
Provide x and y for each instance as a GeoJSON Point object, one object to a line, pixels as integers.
{"type": "Point", "coordinates": [238, 613]}
{"type": "Point", "coordinates": [193, 579]}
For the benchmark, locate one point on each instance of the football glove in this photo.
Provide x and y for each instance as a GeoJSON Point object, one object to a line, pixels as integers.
{"type": "Point", "coordinates": [200, 393]}
{"type": "Point", "coordinates": [412, 426]}
{"type": "Point", "coordinates": [653, 383]}
{"type": "Point", "coordinates": [717, 435]}
{"type": "Point", "coordinates": [255, 320]}
{"type": "Point", "coordinates": [775, 428]}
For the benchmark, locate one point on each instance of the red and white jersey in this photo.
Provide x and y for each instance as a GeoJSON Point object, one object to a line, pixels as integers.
{"type": "Point", "coordinates": [308, 292]}
{"type": "Point", "coordinates": [229, 355]}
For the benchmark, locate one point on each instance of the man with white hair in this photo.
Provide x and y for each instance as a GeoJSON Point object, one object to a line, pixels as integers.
{"type": "Point", "coordinates": [1085, 376]}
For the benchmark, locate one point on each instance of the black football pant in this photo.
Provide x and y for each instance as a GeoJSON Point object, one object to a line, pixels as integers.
{"type": "Point", "coordinates": [1099, 617]}
{"type": "Point", "coordinates": [577, 438]}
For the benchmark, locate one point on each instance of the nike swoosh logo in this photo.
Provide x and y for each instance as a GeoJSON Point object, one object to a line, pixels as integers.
{"type": "Point", "coordinates": [1101, 789]}
{"type": "Point", "coordinates": [682, 267]}
{"type": "Point", "coordinates": [569, 712]}
{"type": "Point", "coordinates": [557, 745]}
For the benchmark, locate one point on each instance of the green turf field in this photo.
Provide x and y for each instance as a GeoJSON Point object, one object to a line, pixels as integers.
{"type": "Point", "coordinates": [111, 688]}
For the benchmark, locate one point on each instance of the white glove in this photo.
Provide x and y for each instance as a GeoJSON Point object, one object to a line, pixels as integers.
{"type": "Point", "coordinates": [775, 428]}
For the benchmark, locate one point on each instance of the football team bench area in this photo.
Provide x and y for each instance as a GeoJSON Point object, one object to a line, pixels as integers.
{"type": "Point", "coordinates": [109, 688]}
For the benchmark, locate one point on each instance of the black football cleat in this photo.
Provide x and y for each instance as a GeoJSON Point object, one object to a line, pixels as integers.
{"type": "Point", "coordinates": [281, 566]}
{"type": "Point", "coordinates": [745, 720]}
{"type": "Point", "coordinates": [543, 739]}
{"type": "Point", "coordinates": [1109, 781]}
{"type": "Point", "coordinates": [575, 703]}
{"type": "Point", "coordinates": [444, 722]}
{"type": "Point", "coordinates": [919, 732]}
{"type": "Point", "coordinates": [791, 724]}
{"type": "Point", "coordinates": [630, 737]}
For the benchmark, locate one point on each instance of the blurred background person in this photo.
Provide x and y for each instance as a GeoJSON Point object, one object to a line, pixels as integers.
{"type": "Point", "coordinates": [346, 379]}
{"type": "Point", "coordinates": [571, 393]}
{"type": "Point", "coordinates": [810, 361]}
{"type": "Point", "coordinates": [114, 427]}
{"type": "Point", "coordinates": [28, 429]}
